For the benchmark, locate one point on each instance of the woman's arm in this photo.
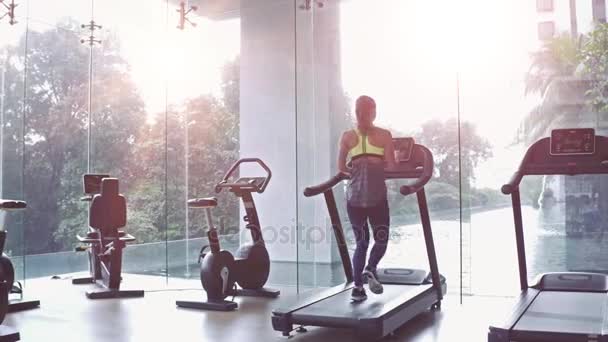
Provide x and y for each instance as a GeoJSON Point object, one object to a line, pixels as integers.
{"type": "Point", "coordinates": [343, 153]}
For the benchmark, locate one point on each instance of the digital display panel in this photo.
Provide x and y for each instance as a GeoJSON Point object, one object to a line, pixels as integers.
{"type": "Point", "coordinates": [403, 149]}
{"type": "Point", "coordinates": [572, 141]}
{"type": "Point", "coordinates": [92, 183]}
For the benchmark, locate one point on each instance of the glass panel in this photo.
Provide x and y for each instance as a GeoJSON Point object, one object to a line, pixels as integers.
{"type": "Point", "coordinates": [356, 48]}
{"type": "Point", "coordinates": [492, 102]}
{"type": "Point", "coordinates": [203, 73]}
{"type": "Point", "coordinates": [322, 115]}
{"type": "Point", "coordinates": [128, 121]}
{"type": "Point", "coordinates": [55, 137]}
{"type": "Point", "coordinates": [516, 88]}
{"type": "Point", "coordinates": [12, 69]}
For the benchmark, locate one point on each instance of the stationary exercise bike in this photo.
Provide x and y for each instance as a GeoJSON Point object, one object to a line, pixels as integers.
{"type": "Point", "coordinates": [105, 242]}
{"type": "Point", "coordinates": [8, 285]}
{"type": "Point", "coordinates": [250, 266]}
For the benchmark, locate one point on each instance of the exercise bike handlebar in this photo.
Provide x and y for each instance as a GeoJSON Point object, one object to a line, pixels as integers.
{"type": "Point", "coordinates": [325, 186]}
{"type": "Point", "coordinates": [7, 204]}
{"type": "Point", "coordinates": [224, 182]}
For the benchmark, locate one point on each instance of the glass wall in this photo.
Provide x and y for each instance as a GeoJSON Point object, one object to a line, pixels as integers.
{"type": "Point", "coordinates": [167, 103]}
{"type": "Point", "coordinates": [12, 75]}
{"type": "Point", "coordinates": [352, 52]}
{"type": "Point", "coordinates": [55, 135]}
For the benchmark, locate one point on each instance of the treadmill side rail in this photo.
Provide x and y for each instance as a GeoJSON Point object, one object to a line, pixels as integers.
{"type": "Point", "coordinates": [500, 332]}
{"type": "Point", "coordinates": [298, 303]}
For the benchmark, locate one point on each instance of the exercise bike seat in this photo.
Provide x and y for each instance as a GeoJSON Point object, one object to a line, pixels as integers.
{"type": "Point", "coordinates": [206, 202]}
{"type": "Point", "coordinates": [108, 210]}
{"type": "Point", "coordinates": [6, 204]}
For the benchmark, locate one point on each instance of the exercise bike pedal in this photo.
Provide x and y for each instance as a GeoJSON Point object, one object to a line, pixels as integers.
{"type": "Point", "coordinates": [81, 248]}
{"type": "Point", "coordinates": [125, 237]}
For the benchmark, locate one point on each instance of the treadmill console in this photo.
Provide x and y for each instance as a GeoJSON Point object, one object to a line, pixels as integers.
{"type": "Point", "coordinates": [566, 142]}
{"type": "Point", "coordinates": [403, 149]}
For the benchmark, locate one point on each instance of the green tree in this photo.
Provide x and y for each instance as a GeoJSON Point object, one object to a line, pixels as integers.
{"type": "Point", "coordinates": [56, 75]}
{"type": "Point", "coordinates": [594, 56]}
{"type": "Point", "coordinates": [552, 76]}
{"type": "Point", "coordinates": [557, 58]}
{"type": "Point", "coordinates": [213, 143]}
{"type": "Point", "coordinates": [441, 137]}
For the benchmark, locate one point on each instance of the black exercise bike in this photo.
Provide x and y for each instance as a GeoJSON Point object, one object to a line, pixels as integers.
{"type": "Point", "coordinates": [105, 242]}
{"type": "Point", "coordinates": [250, 266]}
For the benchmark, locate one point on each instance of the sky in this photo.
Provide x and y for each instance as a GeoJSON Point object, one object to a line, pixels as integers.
{"type": "Point", "coordinates": [421, 59]}
{"type": "Point", "coordinates": [425, 60]}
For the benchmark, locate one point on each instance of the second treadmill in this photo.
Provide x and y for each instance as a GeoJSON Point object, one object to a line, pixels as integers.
{"type": "Point", "coordinates": [560, 306]}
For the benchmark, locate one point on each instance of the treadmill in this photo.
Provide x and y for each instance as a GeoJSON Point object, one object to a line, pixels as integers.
{"type": "Point", "coordinates": [407, 292]}
{"type": "Point", "coordinates": [566, 306]}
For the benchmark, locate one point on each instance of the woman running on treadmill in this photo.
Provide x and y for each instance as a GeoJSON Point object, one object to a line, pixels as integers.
{"type": "Point", "coordinates": [369, 147]}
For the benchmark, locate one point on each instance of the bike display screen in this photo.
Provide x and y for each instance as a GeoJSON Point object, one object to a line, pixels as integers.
{"type": "Point", "coordinates": [92, 183]}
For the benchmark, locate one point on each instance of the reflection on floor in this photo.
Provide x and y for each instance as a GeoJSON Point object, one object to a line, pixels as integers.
{"type": "Point", "coordinates": [66, 315]}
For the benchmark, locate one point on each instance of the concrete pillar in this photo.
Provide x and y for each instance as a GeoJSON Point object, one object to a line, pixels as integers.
{"type": "Point", "coordinates": [291, 103]}
{"type": "Point", "coordinates": [267, 115]}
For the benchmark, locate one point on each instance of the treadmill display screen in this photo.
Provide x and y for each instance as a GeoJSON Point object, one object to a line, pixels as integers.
{"type": "Point", "coordinates": [572, 141]}
{"type": "Point", "coordinates": [403, 149]}
{"type": "Point", "coordinates": [92, 183]}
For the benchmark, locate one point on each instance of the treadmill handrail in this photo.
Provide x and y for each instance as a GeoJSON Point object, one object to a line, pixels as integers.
{"type": "Point", "coordinates": [513, 183]}
{"type": "Point", "coordinates": [424, 177]}
{"type": "Point", "coordinates": [325, 186]}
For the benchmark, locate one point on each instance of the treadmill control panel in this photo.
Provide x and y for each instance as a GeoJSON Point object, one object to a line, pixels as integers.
{"type": "Point", "coordinates": [403, 149]}
{"type": "Point", "coordinates": [572, 141]}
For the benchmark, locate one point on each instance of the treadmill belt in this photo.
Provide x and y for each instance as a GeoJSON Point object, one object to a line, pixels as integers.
{"type": "Point", "coordinates": [565, 312]}
{"type": "Point", "coordinates": [341, 307]}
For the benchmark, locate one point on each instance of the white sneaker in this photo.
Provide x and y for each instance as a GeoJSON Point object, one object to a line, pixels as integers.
{"type": "Point", "coordinates": [374, 284]}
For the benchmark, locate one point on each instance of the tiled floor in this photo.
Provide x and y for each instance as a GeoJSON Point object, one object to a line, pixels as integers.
{"type": "Point", "coordinates": [67, 315]}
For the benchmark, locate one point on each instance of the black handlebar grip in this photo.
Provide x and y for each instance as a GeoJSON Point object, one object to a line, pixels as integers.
{"type": "Point", "coordinates": [321, 188]}
{"type": "Point", "coordinates": [407, 190]}
{"type": "Point", "coordinates": [513, 183]}
{"type": "Point", "coordinates": [7, 204]}
{"type": "Point", "coordinates": [427, 173]}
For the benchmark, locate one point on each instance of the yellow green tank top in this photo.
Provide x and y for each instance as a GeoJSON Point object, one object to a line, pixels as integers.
{"type": "Point", "coordinates": [364, 147]}
{"type": "Point", "coordinates": [366, 187]}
